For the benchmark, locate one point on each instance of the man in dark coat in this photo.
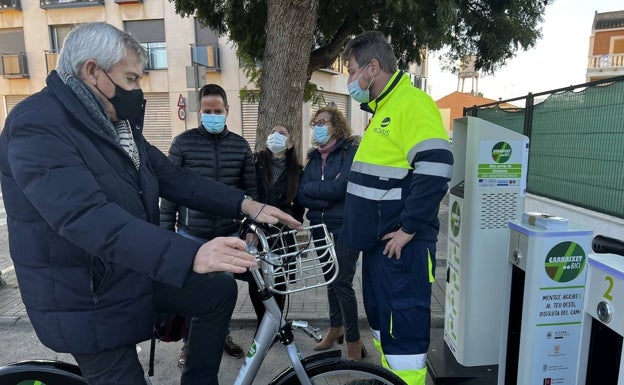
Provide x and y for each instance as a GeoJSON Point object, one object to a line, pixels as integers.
{"type": "Point", "coordinates": [81, 186]}
{"type": "Point", "coordinates": [213, 151]}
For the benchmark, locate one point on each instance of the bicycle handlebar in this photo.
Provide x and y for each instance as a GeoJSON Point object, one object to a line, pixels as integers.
{"type": "Point", "coordinates": [606, 245]}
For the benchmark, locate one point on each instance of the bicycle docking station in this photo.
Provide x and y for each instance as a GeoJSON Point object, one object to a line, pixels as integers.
{"type": "Point", "coordinates": [487, 191]}
{"type": "Point", "coordinates": [601, 358]}
{"type": "Point", "coordinates": [544, 292]}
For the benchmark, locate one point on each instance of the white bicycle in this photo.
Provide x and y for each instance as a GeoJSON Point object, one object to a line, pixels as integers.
{"type": "Point", "coordinates": [289, 262]}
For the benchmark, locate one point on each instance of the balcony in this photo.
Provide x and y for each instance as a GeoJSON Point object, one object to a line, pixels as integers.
{"type": "Point", "coordinates": [120, 2]}
{"type": "Point", "coordinates": [51, 58]}
{"type": "Point", "coordinates": [156, 56]}
{"type": "Point", "coordinates": [336, 68]}
{"type": "Point", "coordinates": [206, 55]}
{"type": "Point", "coordinates": [10, 4]}
{"type": "Point", "coordinates": [54, 4]}
{"type": "Point", "coordinates": [14, 65]}
{"type": "Point", "coordinates": [607, 65]}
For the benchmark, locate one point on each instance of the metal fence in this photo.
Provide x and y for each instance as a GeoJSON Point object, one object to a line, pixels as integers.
{"type": "Point", "coordinates": [576, 142]}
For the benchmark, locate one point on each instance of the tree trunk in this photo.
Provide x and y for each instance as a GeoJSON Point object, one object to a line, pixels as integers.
{"type": "Point", "coordinates": [289, 28]}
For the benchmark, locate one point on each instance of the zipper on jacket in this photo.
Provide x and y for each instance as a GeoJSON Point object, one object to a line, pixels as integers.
{"type": "Point", "coordinates": [379, 235]}
{"type": "Point", "coordinates": [216, 152]}
{"type": "Point", "coordinates": [94, 290]}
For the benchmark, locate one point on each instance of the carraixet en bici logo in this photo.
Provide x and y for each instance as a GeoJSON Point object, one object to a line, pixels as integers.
{"type": "Point", "coordinates": [501, 152]}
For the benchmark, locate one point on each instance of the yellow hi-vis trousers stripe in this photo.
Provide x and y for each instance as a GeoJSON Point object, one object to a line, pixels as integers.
{"type": "Point", "coordinates": [410, 376]}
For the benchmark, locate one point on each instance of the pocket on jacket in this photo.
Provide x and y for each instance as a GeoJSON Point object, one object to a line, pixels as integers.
{"type": "Point", "coordinates": [101, 274]}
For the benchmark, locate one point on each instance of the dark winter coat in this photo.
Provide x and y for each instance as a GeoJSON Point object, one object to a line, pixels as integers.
{"type": "Point", "coordinates": [224, 157]}
{"type": "Point", "coordinates": [275, 193]}
{"type": "Point", "coordinates": [323, 193]}
{"type": "Point", "coordinates": [83, 223]}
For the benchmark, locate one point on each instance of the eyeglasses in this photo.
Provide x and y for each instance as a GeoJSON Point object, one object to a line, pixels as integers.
{"type": "Point", "coordinates": [320, 122]}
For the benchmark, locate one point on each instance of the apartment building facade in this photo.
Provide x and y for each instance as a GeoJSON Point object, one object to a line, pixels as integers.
{"type": "Point", "coordinates": [606, 46]}
{"type": "Point", "coordinates": [182, 57]}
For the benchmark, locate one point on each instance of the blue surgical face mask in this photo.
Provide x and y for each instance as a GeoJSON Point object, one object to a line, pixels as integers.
{"type": "Point", "coordinates": [213, 123]}
{"type": "Point", "coordinates": [276, 143]}
{"type": "Point", "coordinates": [321, 135]}
{"type": "Point", "coordinates": [357, 93]}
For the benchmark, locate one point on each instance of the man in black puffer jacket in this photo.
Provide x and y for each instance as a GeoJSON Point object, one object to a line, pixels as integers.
{"type": "Point", "coordinates": [215, 152]}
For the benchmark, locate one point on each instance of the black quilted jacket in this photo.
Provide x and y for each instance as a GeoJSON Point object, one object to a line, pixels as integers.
{"type": "Point", "coordinates": [225, 157]}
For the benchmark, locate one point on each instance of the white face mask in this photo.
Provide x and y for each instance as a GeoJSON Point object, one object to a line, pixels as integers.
{"type": "Point", "coordinates": [276, 143]}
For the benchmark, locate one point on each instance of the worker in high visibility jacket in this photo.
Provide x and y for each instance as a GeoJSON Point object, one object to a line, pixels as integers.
{"type": "Point", "coordinates": [399, 175]}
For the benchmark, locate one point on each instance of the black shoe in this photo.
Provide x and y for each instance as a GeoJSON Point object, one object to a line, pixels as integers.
{"type": "Point", "coordinates": [232, 348]}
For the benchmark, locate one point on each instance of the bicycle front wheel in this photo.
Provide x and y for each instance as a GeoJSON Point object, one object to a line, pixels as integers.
{"type": "Point", "coordinates": [348, 373]}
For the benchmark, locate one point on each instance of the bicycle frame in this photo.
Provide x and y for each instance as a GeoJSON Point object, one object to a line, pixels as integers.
{"type": "Point", "coordinates": [274, 325]}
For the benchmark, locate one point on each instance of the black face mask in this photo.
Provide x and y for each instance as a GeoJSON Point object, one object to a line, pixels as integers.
{"type": "Point", "coordinates": [128, 104]}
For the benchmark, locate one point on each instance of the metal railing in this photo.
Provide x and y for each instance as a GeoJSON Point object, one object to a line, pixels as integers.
{"type": "Point", "coordinates": [10, 4]}
{"type": "Point", "coordinates": [14, 65]}
{"type": "Point", "coordinates": [51, 58]}
{"type": "Point", "coordinates": [206, 55]}
{"type": "Point", "coordinates": [576, 135]}
{"type": "Point", "coordinates": [51, 4]}
{"type": "Point", "coordinates": [156, 58]}
{"type": "Point", "coordinates": [606, 61]}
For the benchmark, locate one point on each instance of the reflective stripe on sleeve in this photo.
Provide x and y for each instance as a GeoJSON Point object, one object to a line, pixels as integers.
{"type": "Point", "coordinates": [434, 169]}
{"type": "Point", "coordinates": [373, 194]}
{"type": "Point", "coordinates": [426, 145]}
{"type": "Point", "coordinates": [380, 171]}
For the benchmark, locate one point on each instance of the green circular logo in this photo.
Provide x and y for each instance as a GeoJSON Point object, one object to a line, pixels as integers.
{"type": "Point", "coordinates": [565, 262]}
{"type": "Point", "coordinates": [455, 218]}
{"type": "Point", "coordinates": [385, 122]}
{"type": "Point", "coordinates": [501, 152]}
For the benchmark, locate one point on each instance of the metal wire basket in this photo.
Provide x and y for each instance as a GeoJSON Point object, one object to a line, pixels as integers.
{"type": "Point", "coordinates": [292, 261]}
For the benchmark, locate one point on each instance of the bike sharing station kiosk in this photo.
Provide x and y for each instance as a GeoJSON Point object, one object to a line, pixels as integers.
{"type": "Point", "coordinates": [600, 358]}
{"type": "Point", "coordinates": [486, 192]}
{"type": "Point", "coordinates": [545, 291]}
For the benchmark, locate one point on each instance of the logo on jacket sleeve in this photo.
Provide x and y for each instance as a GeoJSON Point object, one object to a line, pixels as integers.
{"type": "Point", "coordinates": [383, 130]}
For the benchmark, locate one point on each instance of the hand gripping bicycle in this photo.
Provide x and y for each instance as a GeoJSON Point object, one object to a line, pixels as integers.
{"type": "Point", "coordinates": [289, 262]}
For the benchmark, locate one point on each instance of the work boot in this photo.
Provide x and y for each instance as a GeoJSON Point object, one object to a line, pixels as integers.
{"type": "Point", "coordinates": [232, 348]}
{"type": "Point", "coordinates": [333, 335]}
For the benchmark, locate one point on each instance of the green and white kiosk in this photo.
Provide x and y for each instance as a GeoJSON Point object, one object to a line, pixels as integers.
{"type": "Point", "coordinates": [487, 191]}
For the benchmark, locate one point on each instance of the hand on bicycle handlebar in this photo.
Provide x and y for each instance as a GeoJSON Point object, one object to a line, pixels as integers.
{"type": "Point", "coordinates": [223, 254]}
{"type": "Point", "coordinates": [268, 214]}
{"type": "Point", "coordinates": [252, 239]}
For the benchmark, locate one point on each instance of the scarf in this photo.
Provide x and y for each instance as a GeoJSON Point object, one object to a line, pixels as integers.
{"type": "Point", "coordinates": [325, 151]}
{"type": "Point", "coordinates": [278, 166]}
{"type": "Point", "coordinates": [120, 131]}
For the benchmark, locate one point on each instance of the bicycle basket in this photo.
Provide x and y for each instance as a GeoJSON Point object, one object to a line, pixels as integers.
{"type": "Point", "coordinates": [299, 260]}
